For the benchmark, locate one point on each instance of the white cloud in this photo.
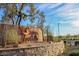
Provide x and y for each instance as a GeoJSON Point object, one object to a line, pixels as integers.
{"type": "Point", "coordinates": [71, 12]}
{"type": "Point", "coordinates": [75, 23]}
{"type": "Point", "coordinates": [74, 18]}
{"type": "Point", "coordinates": [68, 11]}
{"type": "Point", "coordinates": [67, 8]}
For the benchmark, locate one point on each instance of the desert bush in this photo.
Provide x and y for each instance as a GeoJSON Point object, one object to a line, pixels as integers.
{"type": "Point", "coordinates": [56, 39]}
{"type": "Point", "coordinates": [50, 38]}
{"type": "Point", "coordinates": [12, 36]}
{"type": "Point", "coordinates": [74, 54]}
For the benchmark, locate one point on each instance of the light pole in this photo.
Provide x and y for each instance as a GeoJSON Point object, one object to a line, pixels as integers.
{"type": "Point", "coordinates": [58, 31]}
{"type": "Point", "coordinates": [47, 32]}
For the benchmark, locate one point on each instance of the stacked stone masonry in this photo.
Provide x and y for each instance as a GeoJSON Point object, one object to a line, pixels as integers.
{"type": "Point", "coordinates": [53, 49]}
{"type": "Point", "coordinates": [49, 49]}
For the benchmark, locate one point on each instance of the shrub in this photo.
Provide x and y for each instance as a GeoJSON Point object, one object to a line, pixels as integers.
{"type": "Point", "coordinates": [74, 54]}
{"type": "Point", "coordinates": [56, 39]}
{"type": "Point", "coordinates": [12, 36]}
{"type": "Point", "coordinates": [50, 38]}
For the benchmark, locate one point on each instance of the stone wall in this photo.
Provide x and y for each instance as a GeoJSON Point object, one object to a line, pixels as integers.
{"type": "Point", "coordinates": [52, 49]}
{"type": "Point", "coordinates": [48, 49]}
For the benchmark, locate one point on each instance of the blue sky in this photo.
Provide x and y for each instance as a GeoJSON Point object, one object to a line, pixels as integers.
{"type": "Point", "coordinates": [65, 14]}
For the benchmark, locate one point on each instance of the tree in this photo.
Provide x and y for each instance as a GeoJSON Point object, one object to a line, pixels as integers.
{"type": "Point", "coordinates": [9, 12]}
{"type": "Point", "coordinates": [41, 22]}
{"type": "Point", "coordinates": [15, 14]}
